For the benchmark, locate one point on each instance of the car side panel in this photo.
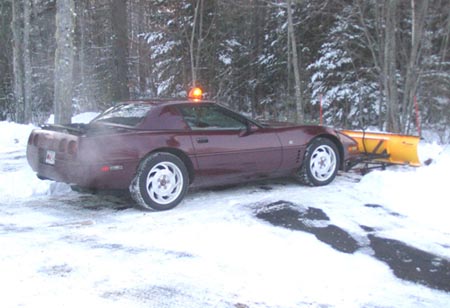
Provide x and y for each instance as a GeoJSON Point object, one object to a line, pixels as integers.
{"type": "Point", "coordinates": [233, 156]}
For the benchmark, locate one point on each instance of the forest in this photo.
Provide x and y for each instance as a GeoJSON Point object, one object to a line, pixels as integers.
{"type": "Point", "coordinates": [382, 64]}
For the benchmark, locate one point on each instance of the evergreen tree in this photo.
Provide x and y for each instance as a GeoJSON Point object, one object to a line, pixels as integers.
{"type": "Point", "coordinates": [370, 61]}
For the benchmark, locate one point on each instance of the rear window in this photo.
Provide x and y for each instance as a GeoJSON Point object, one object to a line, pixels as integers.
{"type": "Point", "coordinates": [124, 114]}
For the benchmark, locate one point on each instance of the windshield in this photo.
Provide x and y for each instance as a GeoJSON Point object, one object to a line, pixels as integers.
{"type": "Point", "coordinates": [124, 114]}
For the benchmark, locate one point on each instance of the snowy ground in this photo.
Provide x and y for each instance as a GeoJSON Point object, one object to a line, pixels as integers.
{"type": "Point", "coordinates": [382, 240]}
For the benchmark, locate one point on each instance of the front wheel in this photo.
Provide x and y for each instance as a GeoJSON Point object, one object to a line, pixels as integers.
{"type": "Point", "coordinates": [160, 182]}
{"type": "Point", "coordinates": [320, 164]}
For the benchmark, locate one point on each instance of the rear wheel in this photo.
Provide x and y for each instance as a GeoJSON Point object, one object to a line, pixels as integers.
{"type": "Point", "coordinates": [160, 182]}
{"type": "Point", "coordinates": [320, 164]}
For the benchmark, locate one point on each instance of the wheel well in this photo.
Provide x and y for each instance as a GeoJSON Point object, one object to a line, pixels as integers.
{"type": "Point", "coordinates": [339, 146]}
{"type": "Point", "coordinates": [181, 155]}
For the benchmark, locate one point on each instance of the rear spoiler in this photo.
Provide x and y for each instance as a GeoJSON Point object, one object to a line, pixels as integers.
{"type": "Point", "coordinates": [75, 128]}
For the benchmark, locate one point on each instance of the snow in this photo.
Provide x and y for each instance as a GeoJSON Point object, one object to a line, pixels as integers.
{"type": "Point", "coordinates": [225, 59]}
{"type": "Point", "coordinates": [85, 117]}
{"type": "Point", "coordinates": [66, 249]}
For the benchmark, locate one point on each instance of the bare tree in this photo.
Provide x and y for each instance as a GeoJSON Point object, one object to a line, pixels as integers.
{"type": "Point", "coordinates": [120, 50]}
{"type": "Point", "coordinates": [17, 59]}
{"type": "Point", "coordinates": [22, 59]}
{"type": "Point", "coordinates": [413, 71]}
{"type": "Point", "coordinates": [295, 64]}
{"type": "Point", "coordinates": [27, 69]}
{"type": "Point", "coordinates": [138, 51]}
{"type": "Point", "coordinates": [390, 69]}
{"type": "Point", "coordinates": [197, 12]}
{"type": "Point", "coordinates": [64, 59]}
{"type": "Point", "coordinates": [197, 39]}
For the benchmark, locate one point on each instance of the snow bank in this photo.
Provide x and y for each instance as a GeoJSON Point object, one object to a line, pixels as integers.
{"type": "Point", "coordinates": [420, 194]}
{"type": "Point", "coordinates": [13, 137]}
{"type": "Point", "coordinates": [17, 179]}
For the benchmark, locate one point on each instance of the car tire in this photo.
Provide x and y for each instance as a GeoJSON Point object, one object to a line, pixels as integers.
{"type": "Point", "coordinates": [160, 183]}
{"type": "Point", "coordinates": [320, 163]}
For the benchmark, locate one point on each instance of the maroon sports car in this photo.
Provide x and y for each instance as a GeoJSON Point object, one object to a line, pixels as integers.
{"type": "Point", "coordinates": [158, 148]}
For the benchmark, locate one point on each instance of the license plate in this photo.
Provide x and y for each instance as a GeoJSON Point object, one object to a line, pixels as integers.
{"type": "Point", "coordinates": [50, 157]}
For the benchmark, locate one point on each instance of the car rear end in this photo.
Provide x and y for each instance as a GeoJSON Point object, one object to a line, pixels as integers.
{"type": "Point", "coordinates": [53, 155]}
{"type": "Point", "coordinates": [75, 158]}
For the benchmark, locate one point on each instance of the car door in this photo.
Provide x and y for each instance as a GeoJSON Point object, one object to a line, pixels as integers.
{"type": "Point", "coordinates": [227, 147]}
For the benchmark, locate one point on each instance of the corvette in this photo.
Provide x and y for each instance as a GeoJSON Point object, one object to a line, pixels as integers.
{"type": "Point", "coordinates": [159, 148]}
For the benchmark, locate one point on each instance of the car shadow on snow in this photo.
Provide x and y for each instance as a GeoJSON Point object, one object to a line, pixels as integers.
{"type": "Point", "coordinates": [406, 262]}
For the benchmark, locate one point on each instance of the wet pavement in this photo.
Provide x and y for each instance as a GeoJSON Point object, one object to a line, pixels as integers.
{"type": "Point", "coordinates": [406, 262]}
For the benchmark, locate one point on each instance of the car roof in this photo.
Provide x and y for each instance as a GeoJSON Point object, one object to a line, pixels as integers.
{"type": "Point", "coordinates": [165, 101]}
{"type": "Point", "coordinates": [164, 116]}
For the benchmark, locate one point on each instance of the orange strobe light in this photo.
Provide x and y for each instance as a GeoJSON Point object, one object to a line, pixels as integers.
{"type": "Point", "coordinates": [195, 94]}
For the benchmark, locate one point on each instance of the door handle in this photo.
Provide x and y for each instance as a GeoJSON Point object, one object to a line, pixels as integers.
{"type": "Point", "coordinates": [202, 140]}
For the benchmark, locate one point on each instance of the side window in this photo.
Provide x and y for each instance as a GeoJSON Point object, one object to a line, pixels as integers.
{"type": "Point", "coordinates": [200, 117]}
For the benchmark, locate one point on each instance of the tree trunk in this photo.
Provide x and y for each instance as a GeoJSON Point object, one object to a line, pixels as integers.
{"type": "Point", "coordinates": [87, 103]}
{"type": "Point", "coordinates": [412, 68]}
{"type": "Point", "coordinates": [21, 28]}
{"type": "Point", "coordinates": [64, 54]}
{"type": "Point", "coordinates": [191, 45]}
{"type": "Point", "coordinates": [444, 46]}
{"type": "Point", "coordinates": [27, 69]}
{"type": "Point", "coordinates": [256, 35]}
{"type": "Point", "coordinates": [374, 44]}
{"type": "Point", "coordinates": [119, 23]}
{"type": "Point", "coordinates": [142, 53]}
{"type": "Point", "coordinates": [299, 117]}
{"type": "Point", "coordinates": [390, 69]}
{"type": "Point", "coordinates": [17, 22]}
{"type": "Point", "coordinates": [199, 39]}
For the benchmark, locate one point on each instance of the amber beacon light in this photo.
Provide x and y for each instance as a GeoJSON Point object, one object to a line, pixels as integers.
{"type": "Point", "coordinates": [195, 94]}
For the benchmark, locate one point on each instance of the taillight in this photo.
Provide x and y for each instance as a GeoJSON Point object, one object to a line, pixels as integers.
{"type": "Point", "coordinates": [72, 148]}
{"type": "Point", "coordinates": [35, 139]}
{"type": "Point", "coordinates": [105, 169]}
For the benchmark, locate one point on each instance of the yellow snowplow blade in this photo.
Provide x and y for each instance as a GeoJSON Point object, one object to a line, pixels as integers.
{"type": "Point", "coordinates": [386, 147]}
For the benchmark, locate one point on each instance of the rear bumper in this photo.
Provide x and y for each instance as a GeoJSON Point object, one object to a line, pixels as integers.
{"type": "Point", "coordinates": [83, 174]}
